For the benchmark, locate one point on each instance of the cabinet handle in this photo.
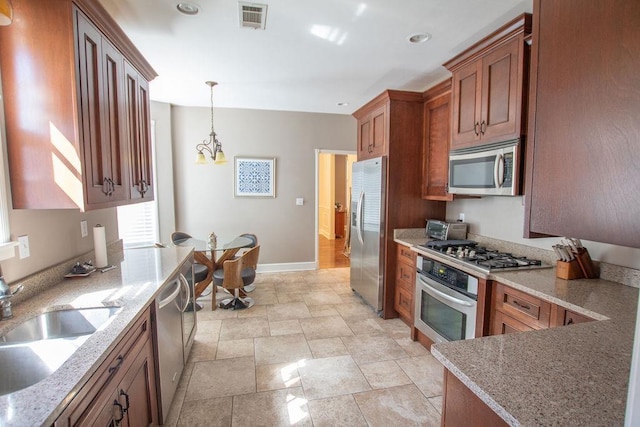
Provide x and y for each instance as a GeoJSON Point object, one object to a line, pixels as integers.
{"type": "Point", "coordinates": [483, 127]}
{"type": "Point", "coordinates": [144, 187]}
{"type": "Point", "coordinates": [524, 306]}
{"type": "Point", "coordinates": [126, 400]}
{"type": "Point", "coordinates": [570, 322]}
{"type": "Point", "coordinates": [117, 406]}
{"type": "Point", "coordinates": [112, 186]}
{"type": "Point", "coordinates": [105, 186]}
{"type": "Point", "coordinates": [475, 129]}
{"type": "Point", "coordinates": [113, 369]}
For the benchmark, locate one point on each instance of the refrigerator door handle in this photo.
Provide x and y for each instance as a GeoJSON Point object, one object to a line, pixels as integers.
{"type": "Point", "coordinates": [359, 217]}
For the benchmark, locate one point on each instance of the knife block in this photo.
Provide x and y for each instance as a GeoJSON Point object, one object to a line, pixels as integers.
{"type": "Point", "coordinates": [569, 270]}
{"type": "Point", "coordinates": [585, 263]}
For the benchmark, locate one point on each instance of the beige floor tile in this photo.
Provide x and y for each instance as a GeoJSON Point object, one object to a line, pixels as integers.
{"type": "Point", "coordinates": [373, 348]}
{"type": "Point", "coordinates": [288, 311]}
{"type": "Point", "coordinates": [281, 349]}
{"type": "Point", "coordinates": [276, 377]}
{"type": "Point", "coordinates": [331, 376]}
{"type": "Point", "coordinates": [235, 348]}
{"type": "Point", "coordinates": [291, 287]}
{"type": "Point", "coordinates": [263, 298]}
{"type": "Point", "coordinates": [203, 350]}
{"type": "Point", "coordinates": [208, 330]}
{"type": "Point", "coordinates": [271, 408]}
{"type": "Point", "coordinates": [205, 413]}
{"type": "Point", "coordinates": [235, 329]}
{"type": "Point", "coordinates": [402, 406]}
{"type": "Point", "coordinates": [426, 372]}
{"type": "Point", "coordinates": [285, 327]}
{"type": "Point", "coordinates": [219, 378]}
{"type": "Point", "coordinates": [412, 348]}
{"type": "Point", "coordinates": [355, 310]}
{"type": "Point", "coordinates": [255, 311]}
{"type": "Point", "coordinates": [361, 326]}
{"type": "Point", "coordinates": [287, 297]}
{"type": "Point", "coordinates": [395, 328]}
{"type": "Point", "coordinates": [384, 374]}
{"type": "Point", "coordinates": [325, 327]}
{"type": "Point", "coordinates": [322, 310]}
{"type": "Point", "coordinates": [336, 411]}
{"type": "Point", "coordinates": [327, 347]}
{"type": "Point", "coordinates": [437, 403]}
{"type": "Point", "coordinates": [218, 314]}
{"type": "Point", "coordinates": [322, 297]}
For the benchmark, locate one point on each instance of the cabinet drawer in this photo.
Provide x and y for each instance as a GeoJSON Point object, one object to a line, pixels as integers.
{"type": "Point", "coordinates": [523, 307]}
{"type": "Point", "coordinates": [111, 371]}
{"type": "Point", "coordinates": [404, 302]}
{"type": "Point", "coordinates": [406, 255]}
{"type": "Point", "coordinates": [505, 324]}
{"type": "Point", "coordinates": [406, 272]}
{"type": "Point", "coordinates": [565, 317]}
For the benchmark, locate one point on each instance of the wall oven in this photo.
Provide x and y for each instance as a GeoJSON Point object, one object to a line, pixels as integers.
{"type": "Point", "coordinates": [446, 301]}
{"type": "Point", "coordinates": [492, 169]}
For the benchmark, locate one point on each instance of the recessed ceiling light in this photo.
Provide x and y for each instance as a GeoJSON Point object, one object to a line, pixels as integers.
{"type": "Point", "coordinates": [188, 8]}
{"type": "Point", "coordinates": [419, 37]}
{"type": "Point", "coordinates": [342, 104]}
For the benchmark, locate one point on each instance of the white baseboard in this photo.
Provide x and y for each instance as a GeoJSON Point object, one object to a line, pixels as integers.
{"type": "Point", "coordinates": [291, 266]}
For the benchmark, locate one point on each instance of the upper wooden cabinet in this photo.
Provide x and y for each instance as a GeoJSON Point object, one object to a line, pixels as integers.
{"type": "Point", "coordinates": [436, 143]}
{"type": "Point", "coordinates": [372, 133]}
{"type": "Point", "coordinates": [489, 87]}
{"type": "Point", "coordinates": [583, 134]}
{"type": "Point", "coordinates": [70, 140]}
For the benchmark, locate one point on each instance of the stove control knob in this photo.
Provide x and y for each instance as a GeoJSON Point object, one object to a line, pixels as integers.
{"type": "Point", "coordinates": [472, 254]}
{"type": "Point", "coordinates": [449, 250]}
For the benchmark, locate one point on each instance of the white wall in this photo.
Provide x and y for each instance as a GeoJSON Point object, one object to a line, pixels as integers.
{"type": "Point", "coordinates": [204, 194]}
{"type": "Point", "coordinates": [161, 114]}
{"type": "Point", "coordinates": [503, 218]}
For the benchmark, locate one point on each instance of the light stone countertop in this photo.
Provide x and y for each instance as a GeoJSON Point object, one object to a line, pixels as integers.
{"type": "Point", "coordinates": [132, 286]}
{"type": "Point", "coordinates": [574, 375]}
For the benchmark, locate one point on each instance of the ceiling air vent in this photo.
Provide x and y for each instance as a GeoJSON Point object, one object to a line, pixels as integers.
{"type": "Point", "coordinates": [252, 15]}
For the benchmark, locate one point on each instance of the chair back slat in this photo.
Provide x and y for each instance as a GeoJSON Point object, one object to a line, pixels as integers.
{"type": "Point", "coordinates": [233, 268]}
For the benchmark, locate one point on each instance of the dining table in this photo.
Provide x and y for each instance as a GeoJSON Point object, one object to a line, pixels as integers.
{"type": "Point", "coordinates": [213, 257]}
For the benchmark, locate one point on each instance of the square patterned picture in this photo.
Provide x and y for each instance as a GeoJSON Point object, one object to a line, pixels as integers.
{"type": "Point", "coordinates": [255, 177]}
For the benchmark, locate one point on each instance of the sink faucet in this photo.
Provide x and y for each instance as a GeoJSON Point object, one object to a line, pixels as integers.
{"type": "Point", "coordinates": [6, 312]}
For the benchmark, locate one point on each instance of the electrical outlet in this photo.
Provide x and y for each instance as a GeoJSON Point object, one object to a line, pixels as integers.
{"type": "Point", "coordinates": [299, 201]}
{"type": "Point", "coordinates": [461, 217]}
{"type": "Point", "coordinates": [23, 246]}
{"type": "Point", "coordinates": [83, 229]}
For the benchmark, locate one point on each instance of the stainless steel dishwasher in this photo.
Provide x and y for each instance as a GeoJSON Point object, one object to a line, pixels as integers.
{"type": "Point", "coordinates": [174, 331]}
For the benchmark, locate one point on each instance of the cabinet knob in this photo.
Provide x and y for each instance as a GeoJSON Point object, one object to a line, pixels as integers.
{"type": "Point", "coordinates": [483, 127]}
{"type": "Point", "coordinates": [475, 129]}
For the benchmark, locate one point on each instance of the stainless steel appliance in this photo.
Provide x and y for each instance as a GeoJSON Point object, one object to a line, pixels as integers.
{"type": "Point", "coordinates": [443, 230]}
{"type": "Point", "coordinates": [366, 226]}
{"type": "Point", "coordinates": [446, 301]}
{"type": "Point", "coordinates": [175, 329]}
{"type": "Point", "coordinates": [480, 258]}
{"type": "Point", "coordinates": [492, 169]}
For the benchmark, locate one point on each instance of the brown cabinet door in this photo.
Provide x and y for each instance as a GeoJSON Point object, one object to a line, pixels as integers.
{"type": "Point", "coordinates": [467, 94]}
{"type": "Point", "coordinates": [500, 106]}
{"type": "Point", "coordinates": [136, 392]}
{"type": "Point", "coordinates": [138, 134]}
{"type": "Point", "coordinates": [379, 129]}
{"type": "Point", "coordinates": [364, 138]}
{"type": "Point", "coordinates": [100, 90]}
{"type": "Point", "coordinates": [435, 154]}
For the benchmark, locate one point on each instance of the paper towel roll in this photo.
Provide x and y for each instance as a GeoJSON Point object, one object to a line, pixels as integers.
{"type": "Point", "coordinates": [100, 246]}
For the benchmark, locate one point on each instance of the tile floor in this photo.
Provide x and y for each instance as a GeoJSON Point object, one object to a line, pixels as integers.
{"type": "Point", "coordinates": [311, 353]}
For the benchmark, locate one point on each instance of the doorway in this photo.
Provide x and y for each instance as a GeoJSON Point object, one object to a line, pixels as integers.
{"type": "Point", "coordinates": [333, 194]}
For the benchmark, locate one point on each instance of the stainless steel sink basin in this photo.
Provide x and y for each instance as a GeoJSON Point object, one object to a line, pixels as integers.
{"type": "Point", "coordinates": [34, 349]}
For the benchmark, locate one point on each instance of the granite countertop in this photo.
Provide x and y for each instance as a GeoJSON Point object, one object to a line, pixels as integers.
{"type": "Point", "coordinates": [132, 286]}
{"type": "Point", "coordinates": [572, 375]}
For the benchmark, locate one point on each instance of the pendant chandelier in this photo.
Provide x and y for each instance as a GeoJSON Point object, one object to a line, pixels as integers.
{"type": "Point", "coordinates": [213, 147]}
{"type": "Point", "coordinates": [6, 12]}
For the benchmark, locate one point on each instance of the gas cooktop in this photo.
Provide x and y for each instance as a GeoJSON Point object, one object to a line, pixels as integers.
{"type": "Point", "coordinates": [468, 252]}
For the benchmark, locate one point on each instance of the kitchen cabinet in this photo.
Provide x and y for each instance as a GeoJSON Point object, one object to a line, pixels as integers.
{"type": "Point", "coordinates": [561, 316]}
{"type": "Point", "coordinates": [489, 86]}
{"type": "Point", "coordinates": [461, 407]}
{"type": "Point", "coordinates": [582, 143]}
{"type": "Point", "coordinates": [513, 311]}
{"type": "Point", "coordinates": [138, 133]}
{"type": "Point", "coordinates": [122, 391]}
{"type": "Point", "coordinates": [372, 133]}
{"type": "Point", "coordinates": [68, 139]}
{"type": "Point", "coordinates": [405, 283]}
{"type": "Point", "coordinates": [401, 115]}
{"type": "Point", "coordinates": [436, 143]}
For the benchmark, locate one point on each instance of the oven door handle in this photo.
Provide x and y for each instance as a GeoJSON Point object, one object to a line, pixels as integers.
{"type": "Point", "coordinates": [445, 296]}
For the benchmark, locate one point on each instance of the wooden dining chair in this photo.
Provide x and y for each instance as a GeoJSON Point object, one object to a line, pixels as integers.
{"type": "Point", "coordinates": [236, 274]}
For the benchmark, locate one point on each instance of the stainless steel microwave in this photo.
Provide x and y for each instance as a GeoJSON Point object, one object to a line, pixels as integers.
{"type": "Point", "coordinates": [488, 170]}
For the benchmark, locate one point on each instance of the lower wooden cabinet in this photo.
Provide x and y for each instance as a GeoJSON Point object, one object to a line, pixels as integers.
{"type": "Point", "coordinates": [461, 407]}
{"type": "Point", "coordinates": [122, 391]}
{"type": "Point", "coordinates": [405, 283]}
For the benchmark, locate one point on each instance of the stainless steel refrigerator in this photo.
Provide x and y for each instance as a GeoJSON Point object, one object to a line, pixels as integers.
{"type": "Point", "coordinates": [367, 217]}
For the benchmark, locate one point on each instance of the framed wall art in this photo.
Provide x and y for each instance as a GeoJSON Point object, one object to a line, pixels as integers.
{"type": "Point", "coordinates": [255, 177]}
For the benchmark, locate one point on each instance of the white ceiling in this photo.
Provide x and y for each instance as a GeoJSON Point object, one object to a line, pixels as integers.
{"type": "Point", "coordinates": [312, 54]}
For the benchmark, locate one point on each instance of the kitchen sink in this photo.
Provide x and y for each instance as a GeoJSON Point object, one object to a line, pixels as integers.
{"type": "Point", "coordinates": [37, 347]}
